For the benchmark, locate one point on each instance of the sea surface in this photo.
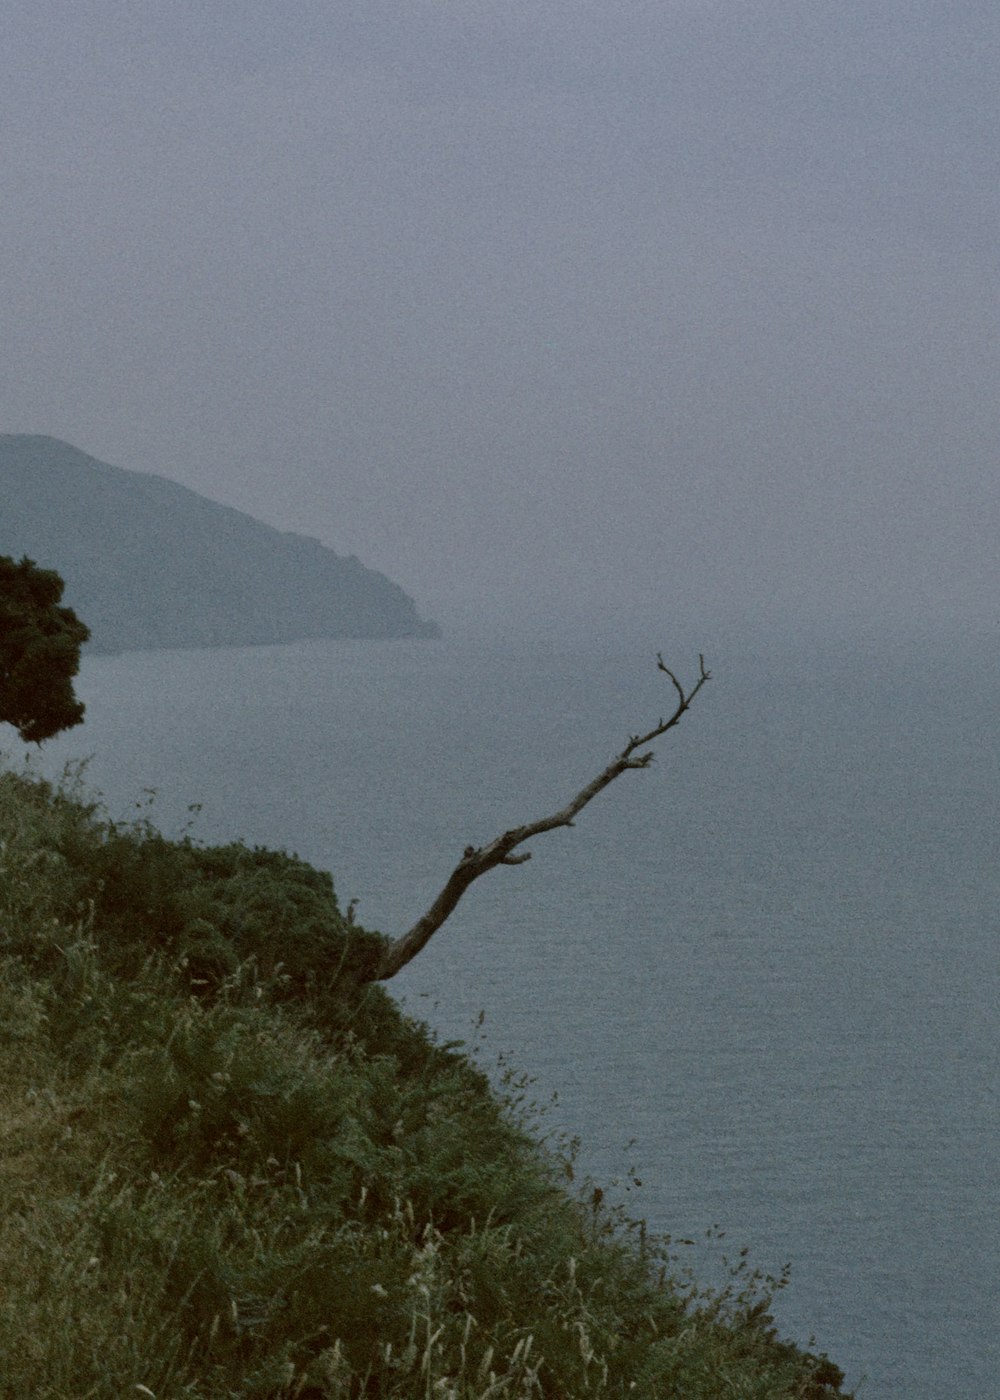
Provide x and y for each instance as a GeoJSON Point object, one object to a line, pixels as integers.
{"type": "Point", "coordinates": [762, 976]}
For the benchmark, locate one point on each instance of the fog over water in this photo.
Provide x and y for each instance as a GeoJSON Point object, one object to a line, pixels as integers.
{"type": "Point", "coordinates": [569, 313]}
{"type": "Point", "coordinates": [671, 323]}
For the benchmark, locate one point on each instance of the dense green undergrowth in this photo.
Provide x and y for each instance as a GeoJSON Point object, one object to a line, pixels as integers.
{"type": "Point", "coordinates": [231, 1169]}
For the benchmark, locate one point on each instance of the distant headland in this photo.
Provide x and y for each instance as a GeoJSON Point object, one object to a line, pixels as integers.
{"type": "Point", "coordinates": [150, 564]}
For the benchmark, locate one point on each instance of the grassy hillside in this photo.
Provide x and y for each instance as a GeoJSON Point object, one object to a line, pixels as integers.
{"type": "Point", "coordinates": [149, 563]}
{"type": "Point", "coordinates": [228, 1174]}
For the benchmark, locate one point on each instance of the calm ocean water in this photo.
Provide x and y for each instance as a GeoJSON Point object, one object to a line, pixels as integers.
{"type": "Point", "coordinates": [770, 963]}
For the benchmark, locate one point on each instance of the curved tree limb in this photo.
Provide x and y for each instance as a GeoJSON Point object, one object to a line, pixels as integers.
{"type": "Point", "coordinates": [476, 860]}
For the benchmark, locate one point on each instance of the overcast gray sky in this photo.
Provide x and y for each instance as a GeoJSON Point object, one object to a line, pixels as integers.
{"type": "Point", "coordinates": [644, 313]}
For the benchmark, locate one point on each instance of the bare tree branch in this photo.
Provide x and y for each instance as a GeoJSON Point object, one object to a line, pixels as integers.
{"type": "Point", "coordinates": [476, 860]}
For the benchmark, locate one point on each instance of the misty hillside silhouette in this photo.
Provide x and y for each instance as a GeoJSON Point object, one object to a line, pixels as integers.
{"type": "Point", "coordinates": [149, 563]}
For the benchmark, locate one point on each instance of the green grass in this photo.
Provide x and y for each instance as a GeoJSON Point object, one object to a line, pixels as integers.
{"type": "Point", "coordinates": [230, 1169]}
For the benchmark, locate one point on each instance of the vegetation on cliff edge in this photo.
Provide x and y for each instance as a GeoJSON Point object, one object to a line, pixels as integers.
{"type": "Point", "coordinates": [230, 1172]}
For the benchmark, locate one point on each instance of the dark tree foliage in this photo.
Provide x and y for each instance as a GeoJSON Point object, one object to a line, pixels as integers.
{"type": "Point", "coordinates": [39, 652]}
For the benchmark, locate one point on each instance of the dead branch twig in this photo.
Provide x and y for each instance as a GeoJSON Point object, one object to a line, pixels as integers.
{"type": "Point", "coordinates": [477, 860]}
